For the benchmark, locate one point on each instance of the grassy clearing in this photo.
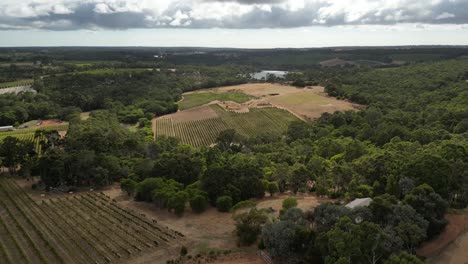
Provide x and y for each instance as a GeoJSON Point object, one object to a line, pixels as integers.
{"type": "Point", "coordinates": [89, 228]}
{"type": "Point", "coordinates": [198, 99]}
{"type": "Point", "coordinates": [204, 132]}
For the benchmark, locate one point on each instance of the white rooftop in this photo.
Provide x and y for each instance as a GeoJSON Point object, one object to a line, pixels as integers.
{"type": "Point", "coordinates": [359, 203]}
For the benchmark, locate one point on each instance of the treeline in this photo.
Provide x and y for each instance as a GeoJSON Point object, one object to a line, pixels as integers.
{"type": "Point", "coordinates": [132, 95]}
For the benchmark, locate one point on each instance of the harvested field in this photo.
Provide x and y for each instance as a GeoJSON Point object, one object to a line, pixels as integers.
{"type": "Point", "coordinates": [310, 104]}
{"type": "Point", "coordinates": [88, 228]}
{"type": "Point", "coordinates": [306, 103]}
{"type": "Point", "coordinates": [258, 89]}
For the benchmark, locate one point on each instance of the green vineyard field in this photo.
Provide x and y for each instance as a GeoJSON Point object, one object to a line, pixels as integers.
{"type": "Point", "coordinates": [88, 228]}
{"type": "Point", "coordinates": [28, 135]}
{"type": "Point", "coordinates": [204, 132]}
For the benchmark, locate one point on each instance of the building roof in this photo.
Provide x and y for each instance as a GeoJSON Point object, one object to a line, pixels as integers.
{"type": "Point", "coordinates": [359, 203]}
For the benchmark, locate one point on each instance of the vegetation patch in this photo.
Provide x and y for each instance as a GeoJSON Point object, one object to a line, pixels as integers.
{"type": "Point", "coordinates": [89, 228]}
{"type": "Point", "coordinates": [197, 99]}
{"type": "Point", "coordinates": [257, 121]}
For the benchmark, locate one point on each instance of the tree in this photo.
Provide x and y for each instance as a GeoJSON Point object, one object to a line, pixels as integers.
{"type": "Point", "coordinates": [128, 185]}
{"type": "Point", "coordinates": [287, 240]}
{"type": "Point", "coordinates": [198, 203]}
{"type": "Point", "coordinates": [327, 214]}
{"type": "Point", "coordinates": [249, 225]}
{"type": "Point", "coordinates": [354, 243]}
{"type": "Point", "coordinates": [430, 205]}
{"type": "Point", "coordinates": [299, 177]}
{"type": "Point", "coordinates": [403, 258]}
{"type": "Point", "coordinates": [224, 203]}
{"type": "Point", "coordinates": [14, 152]}
{"type": "Point", "coordinates": [177, 202]}
{"type": "Point", "coordinates": [382, 207]}
{"type": "Point", "coordinates": [272, 188]}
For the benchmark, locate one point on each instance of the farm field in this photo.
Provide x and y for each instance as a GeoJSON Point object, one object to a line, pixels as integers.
{"type": "Point", "coordinates": [16, 83]}
{"type": "Point", "coordinates": [306, 103]}
{"type": "Point", "coordinates": [203, 132]}
{"type": "Point", "coordinates": [28, 134]}
{"type": "Point", "coordinates": [218, 228]}
{"type": "Point", "coordinates": [88, 228]}
{"type": "Point", "coordinates": [197, 99]}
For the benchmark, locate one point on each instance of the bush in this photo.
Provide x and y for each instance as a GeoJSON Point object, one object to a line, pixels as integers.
{"type": "Point", "coordinates": [289, 202]}
{"type": "Point", "coordinates": [177, 202]}
{"type": "Point", "coordinates": [183, 251]}
{"type": "Point", "coordinates": [198, 203]}
{"type": "Point", "coordinates": [224, 203]}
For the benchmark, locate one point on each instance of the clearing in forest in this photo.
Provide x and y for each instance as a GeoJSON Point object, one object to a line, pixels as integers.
{"type": "Point", "coordinates": [306, 103]}
{"type": "Point", "coordinates": [88, 228]}
{"type": "Point", "coordinates": [205, 128]}
{"type": "Point", "coordinates": [197, 99]}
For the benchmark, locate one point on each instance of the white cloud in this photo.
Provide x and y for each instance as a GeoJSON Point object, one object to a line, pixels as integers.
{"type": "Point", "coordinates": [445, 15]}
{"type": "Point", "coordinates": [121, 14]}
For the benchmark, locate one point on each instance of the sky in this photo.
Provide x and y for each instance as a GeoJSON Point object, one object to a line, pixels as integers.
{"type": "Point", "coordinates": [233, 23]}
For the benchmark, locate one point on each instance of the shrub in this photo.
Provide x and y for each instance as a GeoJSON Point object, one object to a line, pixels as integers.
{"type": "Point", "coordinates": [198, 203]}
{"type": "Point", "coordinates": [272, 188]}
{"type": "Point", "coordinates": [183, 251]}
{"type": "Point", "coordinates": [224, 203]}
{"type": "Point", "coordinates": [289, 202]}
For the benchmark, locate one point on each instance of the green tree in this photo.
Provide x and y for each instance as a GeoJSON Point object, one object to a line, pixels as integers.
{"type": "Point", "coordinates": [198, 203]}
{"type": "Point", "coordinates": [177, 202]}
{"type": "Point", "coordinates": [403, 258]}
{"type": "Point", "coordinates": [128, 185]}
{"type": "Point", "coordinates": [249, 225]}
{"type": "Point", "coordinates": [429, 205]}
{"type": "Point", "coordinates": [272, 188]}
{"type": "Point", "coordinates": [224, 203]}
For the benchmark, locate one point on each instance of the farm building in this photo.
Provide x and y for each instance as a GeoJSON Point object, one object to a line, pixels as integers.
{"type": "Point", "coordinates": [6, 128]}
{"type": "Point", "coordinates": [359, 203]}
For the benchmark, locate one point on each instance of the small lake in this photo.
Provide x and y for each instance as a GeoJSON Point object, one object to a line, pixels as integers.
{"type": "Point", "coordinates": [264, 74]}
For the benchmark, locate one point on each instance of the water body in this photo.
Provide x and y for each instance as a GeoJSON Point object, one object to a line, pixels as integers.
{"type": "Point", "coordinates": [264, 74]}
{"type": "Point", "coordinates": [17, 89]}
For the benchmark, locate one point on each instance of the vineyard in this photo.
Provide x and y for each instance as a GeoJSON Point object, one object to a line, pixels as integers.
{"type": "Point", "coordinates": [204, 132]}
{"type": "Point", "coordinates": [16, 83]}
{"type": "Point", "coordinates": [89, 228]}
{"type": "Point", "coordinates": [28, 135]}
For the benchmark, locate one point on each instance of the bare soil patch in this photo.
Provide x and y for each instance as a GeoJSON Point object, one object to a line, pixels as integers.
{"type": "Point", "coordinates": [210, 230]}
{"type": "Point", "coordinates": [305, 203]}
{"type": "Point", "coordinates": [47, 123]}
{"type": "Point", "coordinates": [455, 253]}
{"type": "Point", "coordinates": [456, 226]}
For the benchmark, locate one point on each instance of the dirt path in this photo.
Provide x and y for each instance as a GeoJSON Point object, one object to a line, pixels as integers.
{"type": "Point", "coordinates": [445, 244]}
{"type": "Point", "coordinates": [456, 253]}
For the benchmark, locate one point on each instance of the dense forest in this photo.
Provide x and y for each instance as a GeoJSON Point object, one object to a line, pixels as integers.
{"type": "Point", "coordinates": [407, 149]}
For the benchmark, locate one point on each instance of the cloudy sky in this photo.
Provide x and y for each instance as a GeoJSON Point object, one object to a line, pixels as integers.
{"type": "Point", "coordinates": [233, 23]}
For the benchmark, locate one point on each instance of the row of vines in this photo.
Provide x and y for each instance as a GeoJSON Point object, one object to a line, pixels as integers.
{"type": "Point", "coordinates": [89, 228]}
{"type": "Point", "coordinates": [204, 132]}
